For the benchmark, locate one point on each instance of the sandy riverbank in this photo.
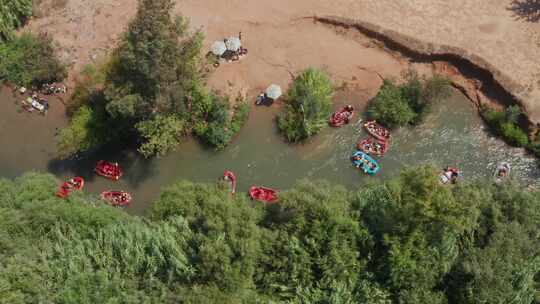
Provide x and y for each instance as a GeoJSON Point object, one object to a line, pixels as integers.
{"type": "Point", "coordinates": [283, 39]}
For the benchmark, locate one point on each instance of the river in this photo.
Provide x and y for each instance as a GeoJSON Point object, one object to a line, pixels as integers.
{"type": "Point", "coordinates": [452, 134]}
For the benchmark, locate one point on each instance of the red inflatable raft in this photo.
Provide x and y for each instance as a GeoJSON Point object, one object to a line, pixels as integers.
{"type": "Point", "coordinates": [373, 147]}
{"type": "Point", "coordinates": [76, 183]}
{"type": "Point", "coordinates": [263, 194]}
{"type": "Point", "coordinates": [116, 198]}
{"type": "Point", "coordinates": [342, 116]}
{"type": "Point", "coordinates": [377, 130]}
{"type": "Point", "coordinates": [108, 170]}
{"type": "Point", "coordinates": [231, 178]}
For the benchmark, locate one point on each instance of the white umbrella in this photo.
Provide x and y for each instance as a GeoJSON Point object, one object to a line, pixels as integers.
{"type": "Point", "coordinates": [218, 48]}
{"type": "Point", "coordinates": [233, 44]}
{"type": "Point", "coordinates": [273, 91]}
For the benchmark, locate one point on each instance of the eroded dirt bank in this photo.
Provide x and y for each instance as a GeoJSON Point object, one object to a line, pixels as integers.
{"type": "Point", "coordinates": [480, 81]}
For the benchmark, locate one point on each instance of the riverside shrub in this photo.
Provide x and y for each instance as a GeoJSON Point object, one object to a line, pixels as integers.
{"type": "Point", "coordinates": [153, 88]}
{"type": "Point", "coordinates": [504, 124]}
{"type": "Point", "coordinates": [406, 240]}
{"type": "Point", "coordinates": [398, 105]}
{"type": "Point", "coordinates": [514, 135]}
{"type": "Point", "coordinates": [307, 105]}
{"type": "Point", "coordinates": [390, 107]}
{"type": "Point", "coordinates": [13, 13]}
{"type": "Point", "coordinates": [30, 60]}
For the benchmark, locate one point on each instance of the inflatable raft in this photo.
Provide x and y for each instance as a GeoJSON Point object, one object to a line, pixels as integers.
{"type": "Point", "coordinates": [109, 170]}
{"type": "Point", "coordinates": [364, 162]}
{"type": "Point", "coordinates": [502, 172]}
{"type": "Point", "coordinates": [373, 147]}
{"type": "Point", "coordinates": [231, 178]}
{"type": "Point", "coordinates": [76, 183]}
{"type": "Point", "coordinates": [116, 198]}
{"type": "Point", "coordinates": [449, 175]}
{"type": "Point", "coordinates": [376, 130]}
{"type": "Point", "coordinates": [263, 194]}
{"type": "Point", "coordinates": [342, 116]}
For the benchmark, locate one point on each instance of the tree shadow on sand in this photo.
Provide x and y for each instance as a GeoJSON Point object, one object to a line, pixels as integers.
{"type": "Point", "coordinates": [528, 10]}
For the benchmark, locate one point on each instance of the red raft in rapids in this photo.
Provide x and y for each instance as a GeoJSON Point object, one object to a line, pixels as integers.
{"type": "Point", "coordinates": [116, 198]}
{"type": "Point", "coordinates": [263, 194]}
{"type": "Point", "coordinates": [376, 130]}
{"type": "Point", "coordinates": [108, 170]}
{"type": "Point", "coordinates": [231, 178]}
{"type": "Point", "coordinates": [342, 116]}
{"type": "Point", "coordinates": [373, 147]}
{"type": "Point", "coordinates": [76, 183]}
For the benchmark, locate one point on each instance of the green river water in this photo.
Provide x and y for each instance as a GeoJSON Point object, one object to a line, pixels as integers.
{"type": "Point", "coordinates": [453, 134]}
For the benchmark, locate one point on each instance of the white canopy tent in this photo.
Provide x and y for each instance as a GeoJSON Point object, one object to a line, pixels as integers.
{"type": "Point", "coordinates": [273, 91]}
{"type": "Point", "coordinates": [218, 48]}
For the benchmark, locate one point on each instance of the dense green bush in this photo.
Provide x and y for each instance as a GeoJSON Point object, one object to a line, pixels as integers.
{"type": "Point", "coordinates": [407, 240]}
{"type": "Point", "coordinates": [30, 60]}
{"type": "Point", "coordinates": [88, 86]}
{"type": "Point", "coordinates": [162, 134]}
{"type": "Point", "coordinates": [534, 146]}
{"type": "Point", "coordinates": [240, 116]}
{"type": "Point", "coordinates": [307, 105]}
{"type": "Point", "coordinates": [88, 129]}
{"type": "Point", "coordinates": [13, 14]}
{"type": "Point", "coordinates": [313, 246]}
{"type": "Point", "coordinates": [213, 121]}
{"type": "Point", "coordinates": [514, 135]}
{"type": "Point", "coordinates": [153, 87]}
{"type": "Point", "coordinates": [407, 103]}
{"type": "Point", "coordinates": [391, 107]}
{"type": "Point", "coordinates": [504, 124]}
{"type": "Point", "coordinates": [152, 75]}
{"type": "Point", "coordinates": [224, 246]}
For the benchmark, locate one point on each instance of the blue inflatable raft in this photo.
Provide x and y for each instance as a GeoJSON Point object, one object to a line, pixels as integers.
{"type": "Point", "coordinates": [364, 162]}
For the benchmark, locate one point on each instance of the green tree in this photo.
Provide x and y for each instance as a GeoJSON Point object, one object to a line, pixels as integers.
{"type": "Point", "coordinates": [313, 249]}
{"type": "Point", "coordinates": [307, 105]}
{"type": "Point", "coordinates": [156, 56]}
{"type": "Point", "coordinates": [505, 124]}
{"type": "Point", "coordinates": [162, 133]}
{"type": "Point", "coordinates": [417, 224]}
{"type": "Point", "coordinates": [154, 71]}
{"type": "Point", "coordinates": [88, 129]}
{"type": "Point", "coordinates": [407, 240]}
{"type": "Point", "coordinates": [153, 89]}
{"type": "Point", "coordinates": [30, 60]}
{"type": "Point", "coordinates": [13, 14]}
{"type": "Point", "coordinates": [501, 263]}
{"type": "Point", "coordinates": [225, 244]}
{"type": "Point", "coordinates": [409, 102]}
{"type": "Point", "coordinates": [391, 107]}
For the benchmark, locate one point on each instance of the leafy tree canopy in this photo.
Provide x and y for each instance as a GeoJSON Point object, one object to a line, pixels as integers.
{"type": "Point", "coordinates": [398, 105]}
{"type": "Point", "coordinates": [408, 240]}
{"type": "Point", "coordinates": [30, 60]}
{"type": "Point", "coordinates": [307, 105]}
{"type": "Point", "coordinates": [13, 13]}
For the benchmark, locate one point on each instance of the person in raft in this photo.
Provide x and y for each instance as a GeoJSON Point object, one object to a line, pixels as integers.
{"type": "Point", "coordinates": [356, 160]}
{"type": "Point", "coordinates": [111, 169]}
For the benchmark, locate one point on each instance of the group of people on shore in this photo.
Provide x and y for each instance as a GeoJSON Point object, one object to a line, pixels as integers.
{"type": "Point", "coordinates": [232, 51]}
{"type": "Point", "coordinates": [35, 102]}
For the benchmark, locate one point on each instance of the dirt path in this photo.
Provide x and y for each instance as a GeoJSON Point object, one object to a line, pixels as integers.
{"type": "Point", "coordinates": [281, 41]}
